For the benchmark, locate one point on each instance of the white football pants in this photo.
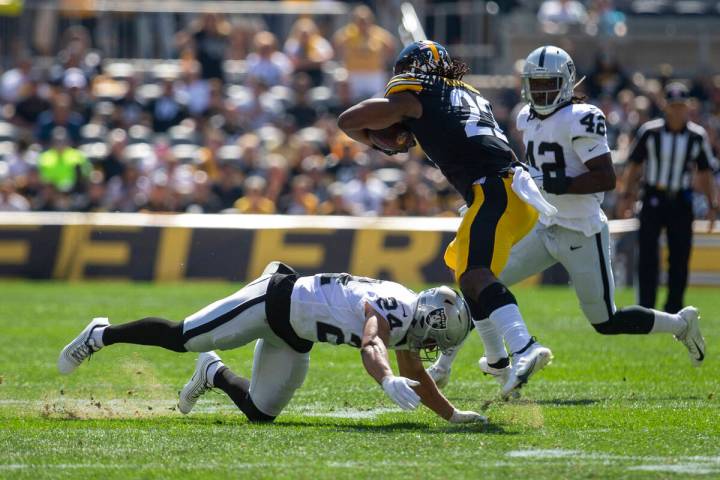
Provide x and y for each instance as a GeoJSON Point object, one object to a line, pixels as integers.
{"type": "Point", "coordinates": [587, 260]}
{"type": "Point", "coordinates": [234, 321]}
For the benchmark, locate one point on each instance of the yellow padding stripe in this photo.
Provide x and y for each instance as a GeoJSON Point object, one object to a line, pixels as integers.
{"type": "Point", "coordinates": [402, 88]}
{"type": "Point", "coordinates": [460, 83]}
{"type": "Point", "coordinates": [401, 79]}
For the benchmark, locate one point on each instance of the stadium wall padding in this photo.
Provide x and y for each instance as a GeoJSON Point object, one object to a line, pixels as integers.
{"type": "Point", "coordinates": [146, 247]}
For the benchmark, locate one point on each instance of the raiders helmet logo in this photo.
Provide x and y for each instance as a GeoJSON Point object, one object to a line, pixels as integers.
{"type": "Point", "coordinates": [437, 319]}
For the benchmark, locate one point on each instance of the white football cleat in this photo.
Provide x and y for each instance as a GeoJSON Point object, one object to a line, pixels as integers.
{"type": "Point", "coordinates": [440, 376]}
{"type": "Point", "coordinates": [198, 383]}
{"type": "Point", "coordinates": [691, 337]}
{"type": "Point", "coordinates": [80, 348]}
{"type": "Point", "coordinates": [500, 375]}
{"type": "Point", "coordinates": [524, 366]}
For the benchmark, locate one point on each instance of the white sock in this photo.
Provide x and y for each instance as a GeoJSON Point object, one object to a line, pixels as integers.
{"type": "Point", "coordinates": [211, 371]}
{"type": "Point", "coordinates": [668, 323]}
{"type": "Point", "coordinates": [492, 340]}
{"type": "Point", "coordinates": [96, 336]}
{"type": "Point", "coordinates": [510, 325]}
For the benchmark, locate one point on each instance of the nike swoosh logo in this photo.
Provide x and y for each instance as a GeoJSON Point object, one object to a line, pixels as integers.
{"type": "Point", "coordinates": [575, 248]}
{"type": "Point", "coordinates": [403, 309]}
{"type": "Point", "coordinates": [591, 149]}
{"type": "Point", "coordinates": [524, 378]}
{"type": "Point", "coordinates": [701, 355]}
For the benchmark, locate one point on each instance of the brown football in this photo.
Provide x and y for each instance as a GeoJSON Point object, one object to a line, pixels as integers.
{"type": "Point", "coordinates": [395, 138]}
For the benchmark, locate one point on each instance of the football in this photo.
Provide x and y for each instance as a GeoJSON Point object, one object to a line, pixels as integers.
{"type": "Point", "coordinates": [395, 138]}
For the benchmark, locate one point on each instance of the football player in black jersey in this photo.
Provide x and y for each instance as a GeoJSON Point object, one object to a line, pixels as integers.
{"type": "Point", "coordinates": [456, 128]}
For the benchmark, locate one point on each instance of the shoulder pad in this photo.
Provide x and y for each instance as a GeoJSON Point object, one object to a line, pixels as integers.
{"type": "Point", "coordinates": [458, 83]}
{"type": "Point", "coordinates": [523, 118]}
{"type": "Point", "coordinates": [696, 129]}
{"type": "Point", "coordinates": [405, 82]}
{"type": "Point", "coordinates": [587, 121]}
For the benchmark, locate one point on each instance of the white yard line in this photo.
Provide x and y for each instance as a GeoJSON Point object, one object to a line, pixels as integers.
{"type": "Point", "coordinates": [101, 408]}
{"type": "Point", "coordinates": [686, 468]}
{"type": "Point", "coordinates": [696, 465]}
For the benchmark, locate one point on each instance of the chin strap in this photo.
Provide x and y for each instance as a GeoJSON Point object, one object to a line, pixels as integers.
{"type": "Point", "coordinates": [579, 82]}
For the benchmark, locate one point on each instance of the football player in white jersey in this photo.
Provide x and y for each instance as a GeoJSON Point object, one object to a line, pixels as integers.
{"type": "Point", "coordinates": [567, 151]}
{"type": "Point", "coordinates": [287, 314]}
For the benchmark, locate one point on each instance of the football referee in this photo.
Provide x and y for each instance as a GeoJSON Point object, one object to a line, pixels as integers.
{"type": "Point", "coordinates": [676, 155]}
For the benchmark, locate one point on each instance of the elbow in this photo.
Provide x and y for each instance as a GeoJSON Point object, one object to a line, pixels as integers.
{"type": "Point", "coordinates": [368, 349]}
{"type": "Point", "coordinates": [609, 180]}
{"type": "Point", "coordinates": [345, 122]}
{"type": "Point", "coordinates": [342, 122]}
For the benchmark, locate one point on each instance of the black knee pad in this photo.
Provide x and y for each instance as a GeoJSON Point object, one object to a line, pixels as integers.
{"type": "Point", "coordinates": [475, 310]}
{"type": "Point", "coordinates": [176, 341]}
{"type": "Point", "coordinates": [608, 327]}
{"type": "Point", "coordinates": [628, 320]}
{"type": "Point", "coordinates": [494, 296]}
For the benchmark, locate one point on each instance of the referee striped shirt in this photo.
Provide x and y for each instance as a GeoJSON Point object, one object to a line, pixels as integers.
{"type": "Point", "coordinates": [670, 157]}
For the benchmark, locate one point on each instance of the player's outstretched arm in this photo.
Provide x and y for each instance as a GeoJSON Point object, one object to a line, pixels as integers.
{"type": "Point", "coordinates": [411, 366]}
{"type": "Point", "coordinates": [377, 114]}
{"type": "Point", "coordinates": [373, 349]}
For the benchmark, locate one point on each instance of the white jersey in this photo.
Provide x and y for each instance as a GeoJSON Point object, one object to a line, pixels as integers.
{"type": "Point", "coordinates": [330, 307]}
{"type": "Point", "coordinates": [566, 140]}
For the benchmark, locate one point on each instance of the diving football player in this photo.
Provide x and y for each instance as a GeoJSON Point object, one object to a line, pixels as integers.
{"type": "Point", "coordinates": [287, 314]}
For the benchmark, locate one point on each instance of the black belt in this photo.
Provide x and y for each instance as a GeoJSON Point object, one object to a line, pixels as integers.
{"type": "Point", "coordinates": [277, 310]}
{"type": "Point", "coordinates": [650, 190]}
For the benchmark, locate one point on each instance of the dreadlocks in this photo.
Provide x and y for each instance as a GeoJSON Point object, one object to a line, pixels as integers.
{"type": "Point", "coordinates": [456, 70]}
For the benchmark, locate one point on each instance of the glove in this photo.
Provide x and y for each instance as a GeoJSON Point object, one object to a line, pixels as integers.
{"type": "Point", "coordinates": [525, 188]}
{"type": "Point", "coordinates": [400, 391]}
{"type": "Point", "coordinates": [460, 416]}
{"type": "Point", "coordinates": [557, 184]}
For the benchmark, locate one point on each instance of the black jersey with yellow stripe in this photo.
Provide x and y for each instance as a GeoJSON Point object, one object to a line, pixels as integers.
{"type": "Point", "coordinates": [457, 129]}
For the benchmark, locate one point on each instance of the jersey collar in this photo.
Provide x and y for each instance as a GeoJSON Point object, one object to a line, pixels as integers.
{"type": "Point", "coordinates": [541, 118]}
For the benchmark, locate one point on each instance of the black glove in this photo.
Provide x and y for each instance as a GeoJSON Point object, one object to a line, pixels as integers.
{"type": "Point", "coordinates": [555, 181]}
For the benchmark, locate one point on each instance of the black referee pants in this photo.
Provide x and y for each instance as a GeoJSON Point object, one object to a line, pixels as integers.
{"type": "Point", "coordinates": [674, 213]}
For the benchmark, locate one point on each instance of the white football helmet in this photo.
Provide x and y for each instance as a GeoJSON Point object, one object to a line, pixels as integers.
{"type": "Point", "coordinates": [548, 79]}
{"type": "Point", "coordinates": [441, 321]}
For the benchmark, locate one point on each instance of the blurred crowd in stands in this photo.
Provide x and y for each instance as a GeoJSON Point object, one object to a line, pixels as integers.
{"type": "Point", "coordinates": [84, 135]}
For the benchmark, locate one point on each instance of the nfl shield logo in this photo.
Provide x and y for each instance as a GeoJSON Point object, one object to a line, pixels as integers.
{"type": "Point", "coordinates": [437, 319]}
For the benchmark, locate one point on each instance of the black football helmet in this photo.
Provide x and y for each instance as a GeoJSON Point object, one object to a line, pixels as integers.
{"type": "Point", "coordinates": [424, 56]}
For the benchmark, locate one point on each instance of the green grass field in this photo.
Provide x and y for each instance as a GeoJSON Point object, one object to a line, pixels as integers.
{"type": "Point", "coordinates": [623, 407]}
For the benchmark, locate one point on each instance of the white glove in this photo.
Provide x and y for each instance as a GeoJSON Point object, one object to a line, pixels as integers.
{"type": "Point", "coordinates": [526, 188]}
{"type": "Point", "coordinates": [460, 416]}
{"type": "Point", "coordinates": [400, 391]}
